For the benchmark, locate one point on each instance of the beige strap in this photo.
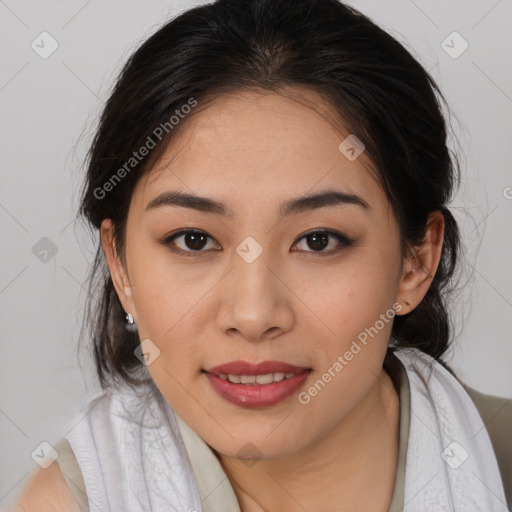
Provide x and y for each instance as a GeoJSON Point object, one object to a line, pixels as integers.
{"type": "Point", "coordinates": [72, 473]}
{"type": "Point", "coordinates": [214, 487]}
{"type": "Point", "coordinates": [496, 413]}
{"type": "Point", "coordinates": [398, 374]}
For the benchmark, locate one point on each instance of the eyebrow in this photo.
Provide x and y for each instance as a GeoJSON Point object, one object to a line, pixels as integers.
{"type": "Point", "coordinates": [301, 204]}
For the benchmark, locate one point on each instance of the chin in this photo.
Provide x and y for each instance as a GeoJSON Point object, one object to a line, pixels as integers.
{"type": "Point", "coordinates": [250, 449]}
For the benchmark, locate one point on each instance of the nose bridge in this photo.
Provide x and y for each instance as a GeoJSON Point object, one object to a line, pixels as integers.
{"type": "Point", "coordinates": [253, 300]}
{"type": "Point", "coordinates": [254, 277]}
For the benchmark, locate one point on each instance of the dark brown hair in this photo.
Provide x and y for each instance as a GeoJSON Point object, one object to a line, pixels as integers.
{"type": "Point", "coordinates": [375, 87]}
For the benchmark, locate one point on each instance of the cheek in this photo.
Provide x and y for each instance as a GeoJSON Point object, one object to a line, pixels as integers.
{"type": "Point", "coordinates": [169, 304]}
{"type": "Point", "coordinates": [351, 297]}
{"type": "Point", "coordinates": [357, 309]}
{"type": "Point", "coordinates": [165, 292]}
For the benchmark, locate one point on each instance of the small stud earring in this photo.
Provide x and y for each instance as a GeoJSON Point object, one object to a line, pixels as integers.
{"type": "Point", "coordinates": [130, 326]}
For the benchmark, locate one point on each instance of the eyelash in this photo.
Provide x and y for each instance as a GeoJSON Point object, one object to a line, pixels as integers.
{"type": "Point", "coordinates": [345, 241]}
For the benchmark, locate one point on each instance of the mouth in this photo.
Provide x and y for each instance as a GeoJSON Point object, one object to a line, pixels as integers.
{"type": "Point", "coordinates": [256, 385]}
{"type": "Point", "coordinates": [257, 380]}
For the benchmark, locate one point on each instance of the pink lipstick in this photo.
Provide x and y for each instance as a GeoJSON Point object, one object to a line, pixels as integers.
{"type": "Point", "coordinates": [256, 385]}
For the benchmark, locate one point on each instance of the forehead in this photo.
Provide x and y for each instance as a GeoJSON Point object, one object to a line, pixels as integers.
{"type": "Point", "coordinates": [261, 146]}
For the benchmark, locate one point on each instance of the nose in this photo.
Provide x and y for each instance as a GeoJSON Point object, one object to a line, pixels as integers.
{"type": "Point", "coordinates": [255, 302]}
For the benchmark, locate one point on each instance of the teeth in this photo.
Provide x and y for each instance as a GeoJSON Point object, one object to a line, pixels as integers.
{"type": "Point", "coordinates": [265, 379]}
{"type": "Point", "coordinates": [268, 378]}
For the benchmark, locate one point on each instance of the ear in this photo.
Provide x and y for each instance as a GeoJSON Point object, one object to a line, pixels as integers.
{"type": "Point", "coordinates": [420, 267]}
{"type": "Point", "coordinates": [118, 273]}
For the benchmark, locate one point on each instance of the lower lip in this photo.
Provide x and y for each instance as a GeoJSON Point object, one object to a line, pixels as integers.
{"type": "Point", "coordinates": [264, 395]}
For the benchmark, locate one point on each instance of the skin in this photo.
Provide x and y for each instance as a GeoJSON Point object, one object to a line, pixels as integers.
{"type": "Point", "coordinates": [296, 302]}
{"type": "Point", "coordinates": [46, 491]}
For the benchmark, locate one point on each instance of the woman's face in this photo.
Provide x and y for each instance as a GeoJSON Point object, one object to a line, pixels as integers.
{"type": "Point", "coordinates": [256, 288]}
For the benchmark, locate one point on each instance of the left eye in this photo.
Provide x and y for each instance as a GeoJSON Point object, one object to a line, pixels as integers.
{"type": "Point", "coordinates": [193, 241]}
{"type": "Point", "coordinates": [319, 240]}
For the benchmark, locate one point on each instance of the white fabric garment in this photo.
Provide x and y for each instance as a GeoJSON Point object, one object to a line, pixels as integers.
{"type": "Point", "coordinates": [131, 454]}
{"type": "Point", "coordinates": [130, 449]}
{"type": "Point", "coordinates": [450, 465]}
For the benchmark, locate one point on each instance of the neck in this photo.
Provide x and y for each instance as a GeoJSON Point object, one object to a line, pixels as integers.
{"type": "Point", "coordinates": [353, 466]}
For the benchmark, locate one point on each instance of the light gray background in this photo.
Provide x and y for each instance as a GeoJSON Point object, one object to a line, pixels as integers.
{"type": "Point", "coordinates": [49, 110]}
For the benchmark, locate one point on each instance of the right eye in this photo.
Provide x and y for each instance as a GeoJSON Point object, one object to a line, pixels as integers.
{"type": "Point", "coordinates": [193, 241]}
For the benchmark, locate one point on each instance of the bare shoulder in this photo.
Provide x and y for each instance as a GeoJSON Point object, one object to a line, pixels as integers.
{"type": "Point", "coordinates": [46, 491]}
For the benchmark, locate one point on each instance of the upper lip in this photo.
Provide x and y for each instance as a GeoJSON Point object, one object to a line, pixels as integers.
{"type": "Point", "coordinates": [263, 368]}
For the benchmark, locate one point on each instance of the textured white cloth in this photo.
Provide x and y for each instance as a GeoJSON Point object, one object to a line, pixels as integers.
{"type": "Point", "coordinates": [131, 454]}
{"type": "Point", "coordinates": [450, 465]}
{"type": "Point", "coordinates": [129, 445]}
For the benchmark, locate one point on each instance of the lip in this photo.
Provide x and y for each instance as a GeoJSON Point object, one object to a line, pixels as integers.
{"type": "Point", "coordinates": [256, 395]}
{"type": "Point", "coordinates": [245, 368]}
